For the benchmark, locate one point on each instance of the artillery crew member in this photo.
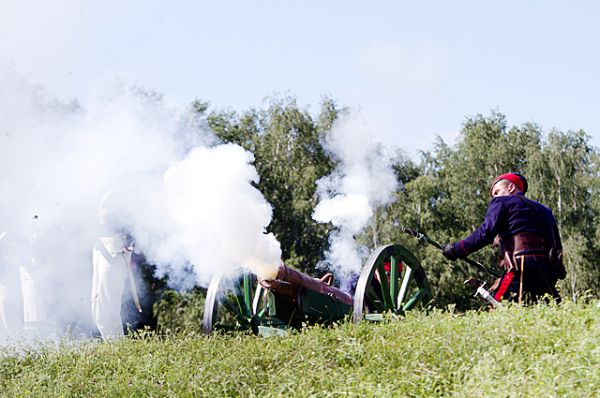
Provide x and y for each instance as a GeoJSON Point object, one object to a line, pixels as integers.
{"type": "Point", "coordinates": [530, 245]}
{"type": "Point", "coordinates": [111, 257]}
{"type": "Point", "coordinates": [5, 327]}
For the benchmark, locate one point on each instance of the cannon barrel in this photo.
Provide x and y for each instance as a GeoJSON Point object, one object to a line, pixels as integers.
{"type": "Point", "coordinates": [289, 283]}
{"type": "Point", "coordinates": [293, 299]}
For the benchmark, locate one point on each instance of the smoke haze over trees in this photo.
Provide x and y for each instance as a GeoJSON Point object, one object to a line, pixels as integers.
{"type": "Point", "coordinates": [445, 191]}
{"type": "Point", "coordinates": [209, 184]}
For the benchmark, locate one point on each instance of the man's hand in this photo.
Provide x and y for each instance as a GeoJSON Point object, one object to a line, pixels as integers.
{"type": "Point", "coordinates": [450, 252]}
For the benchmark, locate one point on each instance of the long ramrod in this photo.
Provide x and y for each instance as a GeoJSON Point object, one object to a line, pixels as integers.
{"type": "Point", "coordinates": [423, 237]}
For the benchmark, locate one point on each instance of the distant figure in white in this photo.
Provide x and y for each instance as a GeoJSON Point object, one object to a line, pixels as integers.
{"type": "Point", "coordinates": [19, 268]}
{"type": "Point", "coordinates": [5, 329]}
{"type": "Point", "coordinates": [35, 313]}
{"type": "Point", "coordinates": [33, 274]}
{"type": "Point", "coordinates": [111, 259]}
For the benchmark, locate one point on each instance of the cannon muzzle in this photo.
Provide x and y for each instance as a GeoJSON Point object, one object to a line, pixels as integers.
{"type": "Point", "coordinates": [290, 282]}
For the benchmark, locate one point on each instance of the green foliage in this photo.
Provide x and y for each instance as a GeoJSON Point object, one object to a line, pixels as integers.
{"type": "Point", "coordinates": [179, 312]}
{"type": "Point", "coordinates": [448, 198]}
{"type": "Point", "coordinates": [511, 352]}
{"type": "Point", "coordinates": [567, 179]}
{"type": "Point", "coordinates": [445, 194]}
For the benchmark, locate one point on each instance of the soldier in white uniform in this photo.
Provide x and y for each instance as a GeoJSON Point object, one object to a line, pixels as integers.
{"type": "Point", "coordinates": [22, 300]}
{"type": "Point", "coordinates": [35, 314]}
{"type": "Point", "coordinates": [111, 260]}
{"type": "Point", "coordinates": [33, 274]}
{"type": "Point", "coordinates": [5, 329]}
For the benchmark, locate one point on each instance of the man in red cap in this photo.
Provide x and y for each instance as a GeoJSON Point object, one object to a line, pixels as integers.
{"type": "Point", "coordinates": [530, 246]}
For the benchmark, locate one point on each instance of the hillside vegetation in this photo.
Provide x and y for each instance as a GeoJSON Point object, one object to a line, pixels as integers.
{"type": "Point", "coordinates": [539, 351]}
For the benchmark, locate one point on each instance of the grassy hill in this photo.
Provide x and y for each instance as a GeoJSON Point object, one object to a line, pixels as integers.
{"type": "Point", "coordinates": [536, 352]}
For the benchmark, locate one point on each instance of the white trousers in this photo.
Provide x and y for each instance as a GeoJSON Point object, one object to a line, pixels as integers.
{"type": "Point", "coordinates": [108, 283]}
{"type": "Point", "coordinates": [11, 314]}
{"type": "Point", "coordinates": [34, 306]}
{"type": "Point", "coordinates": [5, 327]}
{"type": "Point", "coordinates": [34, 284]}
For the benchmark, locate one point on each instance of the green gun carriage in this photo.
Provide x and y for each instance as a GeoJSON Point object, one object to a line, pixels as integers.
{"type": "Point", "coordinates": [392, 280]}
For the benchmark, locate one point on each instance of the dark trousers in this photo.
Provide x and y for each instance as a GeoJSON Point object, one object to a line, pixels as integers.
{"type": "Point", "coordinates": [533, 282]}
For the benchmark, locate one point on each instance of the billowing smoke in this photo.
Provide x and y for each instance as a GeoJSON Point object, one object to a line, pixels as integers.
{"type": "Point", "coordinates": [362, 181]}
{"type": "Point", "coordinates": [187, 201]}
{"type": "Point", "coordinates": [214, 219]}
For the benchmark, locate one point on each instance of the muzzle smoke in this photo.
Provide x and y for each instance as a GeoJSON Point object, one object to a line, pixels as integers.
{"type": "Point", "coordinates": [362, 181]}
{"type": "Point", "coordinates": [187, 201]}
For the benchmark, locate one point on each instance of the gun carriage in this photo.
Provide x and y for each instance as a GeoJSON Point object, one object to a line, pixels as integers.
{"type": "Point", "coordinates": [392, 280]}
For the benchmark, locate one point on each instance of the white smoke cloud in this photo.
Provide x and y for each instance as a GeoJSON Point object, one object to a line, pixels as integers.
{"type": "Point", "coordinates": [187, 201]}
{"type": "Point", "coordinates": [214, 218]}
{"type": "Point", "coordinates": [362, 181]}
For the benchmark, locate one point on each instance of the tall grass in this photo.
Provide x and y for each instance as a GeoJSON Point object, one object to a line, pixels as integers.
{"type": "Point", "coordinates": [536, 352]}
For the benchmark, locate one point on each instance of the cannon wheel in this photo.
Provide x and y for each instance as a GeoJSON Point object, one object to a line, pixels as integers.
{"type": "Point", "coordinates": [378, 291]}
{"type": "Point", "coordinates": [234, 306]}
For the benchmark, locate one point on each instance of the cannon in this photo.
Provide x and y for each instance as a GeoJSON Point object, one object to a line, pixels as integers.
{"type": "Point", "coordinates": [391, 280]}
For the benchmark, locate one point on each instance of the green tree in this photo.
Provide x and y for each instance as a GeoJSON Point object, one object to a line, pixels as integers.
{"type": "Point", "coordinates": [564, 175]}
{"type": "Point", "coordinates": [449, 197]}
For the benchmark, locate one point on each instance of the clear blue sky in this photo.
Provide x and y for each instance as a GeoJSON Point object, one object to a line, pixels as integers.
{"type": "Point", "coordinates": [416, 69]}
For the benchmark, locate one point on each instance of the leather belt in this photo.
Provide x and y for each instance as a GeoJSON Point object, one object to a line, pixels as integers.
{"type": "Point", "coordinates": [525, 242]}
{"type": "Point", "coordinates": [521, 245]}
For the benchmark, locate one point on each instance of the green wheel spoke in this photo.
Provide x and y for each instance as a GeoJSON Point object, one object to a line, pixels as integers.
{"type": "Point", "coordinates": [226, 303]}
{"type": "Point", "coordinates": [394, 280]}
{"type": "Point", "coordinates": [258, 302]}
{"type": "Point", "coordinates": [239, 302]}
{"type": "Point", "coordinates": [261, 312]}
{"type": "Point", "coordinates": [375, 300]}
{"type": "Point", "coordinates": [234, 306]}
{"type": "Point", "coordinates": [418, 296]}
{"type": "Point", "coordinates": [247, 292]}
{"type": "Point", "coordinates": [385, 288]}
{"type": "Point", "coordinates": [377, 292]}
{"type": "Point", "coordinates": [406, 279]}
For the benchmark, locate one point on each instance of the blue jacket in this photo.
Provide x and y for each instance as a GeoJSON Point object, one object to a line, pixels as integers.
{"type": "Point", "coordinates": [508, 215]}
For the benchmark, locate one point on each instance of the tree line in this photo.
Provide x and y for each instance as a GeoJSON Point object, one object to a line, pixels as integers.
{"type": "Point", "coordinates": [445, 191]}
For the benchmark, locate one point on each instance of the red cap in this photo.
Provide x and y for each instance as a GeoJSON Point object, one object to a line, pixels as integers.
{"type": "Point", "coordinates": [515, 178]}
